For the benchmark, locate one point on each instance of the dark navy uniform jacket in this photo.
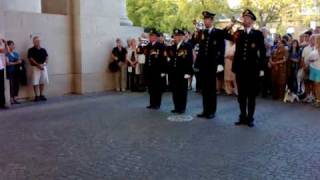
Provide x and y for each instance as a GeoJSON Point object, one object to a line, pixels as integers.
{"type": "Point", "coordinates": [181, 60]}
{"type": "Point", "coordinates": [211, 51]}
{"type": "Point", "coordinates": [155, 61]}
{"type": "Point", "coordinates": [250, 53]}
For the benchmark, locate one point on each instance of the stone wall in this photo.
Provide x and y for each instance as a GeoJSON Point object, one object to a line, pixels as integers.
{"type": "Point", "coordinates": [96, 26]}
{"type": "Point", "coordinates": [56, 38]}
{"type": "Point", "coordinates": [21, 5]}
{"type": "Point", "coordinates": [127, 32]}
{"type": "Point", "coordinates": [79, 41]}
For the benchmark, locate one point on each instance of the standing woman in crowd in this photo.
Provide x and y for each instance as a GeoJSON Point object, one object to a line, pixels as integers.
{"type": "Point", "coordinates": [229, 77]}
{"type": "Point", "coordinates": [133, 65]}
{"type": "Point", "coordinates": [141, 50]}
{"type": "Point", "coordinates": [220, 81]}
{"type": "Point", "coordinates": [119, 54]}
{"type": "Point", "coordinates": [196, 39]}
{"type": "Point", "coordinates": [293, 66]}
{"type": "Point", "coordinates": [278, 70]}
{"type": "Point", "coordinates": [13, 64]}
{"type": "Point", "coordinates": [188, 40]}
{"type": "Point", "coordinates": [266, 79]}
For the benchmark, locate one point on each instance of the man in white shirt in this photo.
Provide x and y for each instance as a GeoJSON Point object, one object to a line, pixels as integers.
{"type": "Point", "coordinates": [2, 68]}
{"type": "Point", "coordinates": [314, 77]}
{"type": "Point", "coordinates": [308, 84]}
{"type": "Point", "coordinates": [307, 51]}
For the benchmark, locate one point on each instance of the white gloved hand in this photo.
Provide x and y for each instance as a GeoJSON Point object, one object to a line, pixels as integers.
{"type": "Point", "coordinates": [220, 68]}
{"type": "Point", "coordinates": [261, 73]}
{"type": "Point", "coordinates": [163, 74]}
{"type": "Point", "coordinates": [187, 76]}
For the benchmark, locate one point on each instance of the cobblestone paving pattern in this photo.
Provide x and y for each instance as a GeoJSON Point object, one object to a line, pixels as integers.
{"type": "Point", "coordinates": [113, 136]}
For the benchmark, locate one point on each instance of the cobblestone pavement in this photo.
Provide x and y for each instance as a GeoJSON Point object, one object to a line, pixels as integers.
{"type": "Point", "coordinates": [112, 136]}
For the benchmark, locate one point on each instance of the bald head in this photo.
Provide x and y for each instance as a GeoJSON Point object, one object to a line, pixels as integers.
{"type": "Point", "coordinates": [36, 41]}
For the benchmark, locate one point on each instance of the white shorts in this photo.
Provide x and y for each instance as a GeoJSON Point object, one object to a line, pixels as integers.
{"type": "Point", "coordinates": [39, 76]}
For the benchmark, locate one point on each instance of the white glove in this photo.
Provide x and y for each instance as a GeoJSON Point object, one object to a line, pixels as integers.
{"type": "Point", "coordinates": [163, 74]}
{"type": "Point", "coordinates": [220, 68]}
{"type": "Point", "coordinates": [187, 76]}
{"type": "Point", "coordinates": [261, 73]}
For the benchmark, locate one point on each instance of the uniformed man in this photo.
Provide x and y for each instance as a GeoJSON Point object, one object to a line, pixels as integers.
{"type": "Point", "coordinates": [248, 60]}
{"type": "Point", "coordinates": [210, 56]}
{"type": "Point", "coordinates": [155, 69]}
{"type": "Point", "coordinates": [180, 70]}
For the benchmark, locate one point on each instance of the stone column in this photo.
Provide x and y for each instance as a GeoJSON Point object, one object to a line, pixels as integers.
{"type": "Point", "coordinates": [95, 27]}
{"type": "Point", "coordinates": [124, 20]}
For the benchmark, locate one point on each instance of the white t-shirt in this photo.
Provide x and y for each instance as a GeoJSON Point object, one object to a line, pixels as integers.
{"type": "Point", "coordinates": [314, 59]}
{"type": "Point", "coordinates": [305, 53]}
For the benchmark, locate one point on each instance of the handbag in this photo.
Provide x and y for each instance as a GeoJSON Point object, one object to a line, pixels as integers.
{"type": "Point", "coordinates": [114, 66]}
{"type": "Point", "coordinates": [22, 73]}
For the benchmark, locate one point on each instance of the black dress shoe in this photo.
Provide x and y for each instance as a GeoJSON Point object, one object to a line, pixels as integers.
{"type": "Point", "coordinates": [181, 112]}
{"type": "Point", "coordinates": [36, 99]}
{"type": "Point", "coordinates": [42, 98]}
{"type": "Point", "coordinates": [210, 116]}
{"type": "Point", "coordinates": [239, 123]}
{"type": "Point", "coordinates": [174, 111]}
{"type": "Point", "coordinates": [250, 125]}
{"type": "Point", "coordinates": [202, 115]}
{"type": "Point", "coordinates": [242, 120]}
{"type": "Point", "coordinates": [153, 107]}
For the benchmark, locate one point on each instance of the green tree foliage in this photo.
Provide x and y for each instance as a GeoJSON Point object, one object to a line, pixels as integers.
{"type": "Point", "coordinates": [269, 11]}
{"type": "Point", "coordinates": [166, 15]}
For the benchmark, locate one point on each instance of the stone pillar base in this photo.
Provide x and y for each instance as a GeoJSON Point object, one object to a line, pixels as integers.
{"type": "Point", "coordinates": [125, 22]}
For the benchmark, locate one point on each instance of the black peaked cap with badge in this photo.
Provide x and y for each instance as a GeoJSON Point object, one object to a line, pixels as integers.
{"type": "Point", "coordinates": [250, 14]}
{"type": "Point", "coordinates": [153, 31]}
{"type": "Point", "coordinates": [207, 14]}
{"type": "Point", "coordinates": [178, 32]}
